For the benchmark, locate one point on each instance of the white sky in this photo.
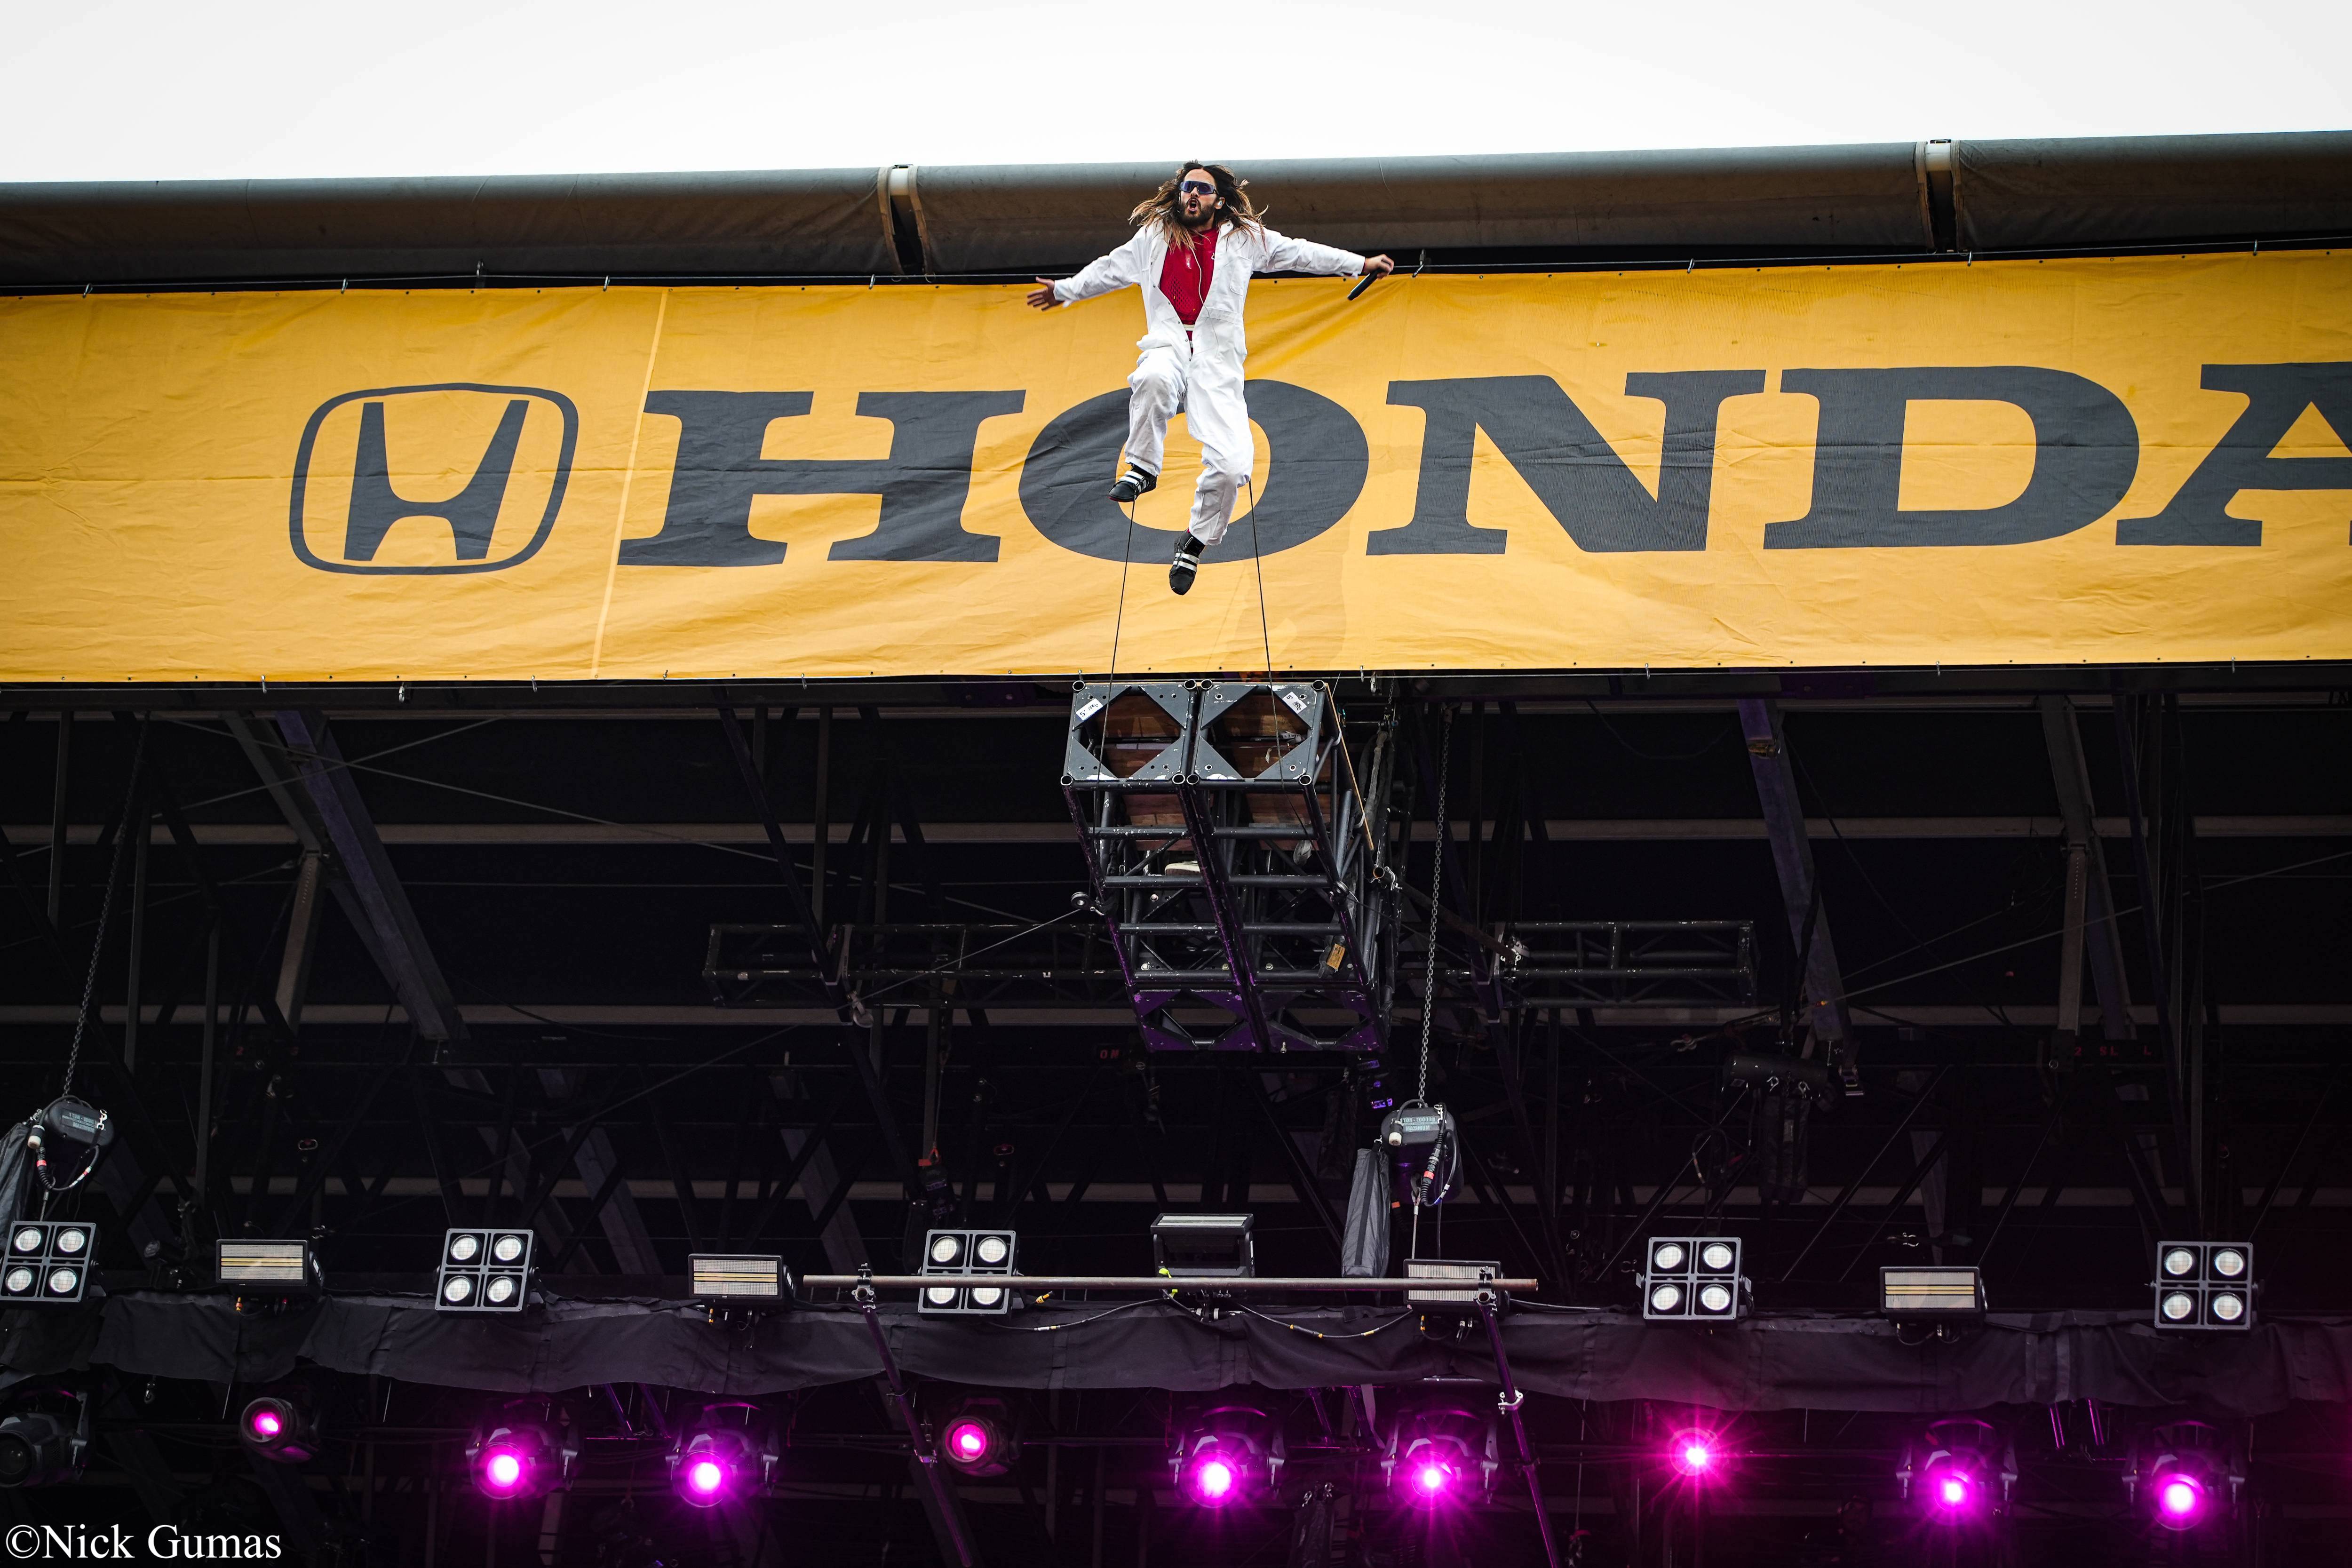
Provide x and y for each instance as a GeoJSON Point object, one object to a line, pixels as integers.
{"type": "Point", "coordinates": [145, 89]}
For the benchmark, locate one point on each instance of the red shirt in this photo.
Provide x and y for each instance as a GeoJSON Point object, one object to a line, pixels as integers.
{"type": "Point", "coordinates": [1185, 275]}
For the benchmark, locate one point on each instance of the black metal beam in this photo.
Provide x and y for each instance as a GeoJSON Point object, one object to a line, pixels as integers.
{"type": "Point", "coordinates": [1792, 856]}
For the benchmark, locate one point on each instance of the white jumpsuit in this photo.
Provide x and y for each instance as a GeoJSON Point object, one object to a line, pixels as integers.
{"type": "Point", "coordinates": [1199, 369]}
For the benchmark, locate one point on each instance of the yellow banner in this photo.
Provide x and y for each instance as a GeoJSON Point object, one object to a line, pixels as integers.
{"type": "Point", "coordinates": [2128, 460]}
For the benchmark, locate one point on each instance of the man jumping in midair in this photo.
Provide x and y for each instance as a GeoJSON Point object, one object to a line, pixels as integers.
{"type": "Point", "coordinates": [1197, 243]}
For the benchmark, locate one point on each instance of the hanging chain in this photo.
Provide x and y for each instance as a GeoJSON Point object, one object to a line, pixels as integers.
{"type": "Point", "coordinates": [1436, 892]}
{"type": "Point", "coordinates": [106, 908]}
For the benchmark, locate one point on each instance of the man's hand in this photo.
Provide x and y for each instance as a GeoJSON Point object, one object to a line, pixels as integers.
{"type": "Point", "coordinates": [1042, 296]}
{"type": "Point", "coordinates": [1377, 266]}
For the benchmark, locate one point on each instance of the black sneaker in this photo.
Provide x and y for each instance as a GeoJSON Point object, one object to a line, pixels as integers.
{"type": "Point", "coordinates": [1186, 566]}
{"type": "Point", "coordinates": [1133, 483]}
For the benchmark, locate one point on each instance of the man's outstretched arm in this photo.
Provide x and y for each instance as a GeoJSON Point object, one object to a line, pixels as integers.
{"type": "Point", "coordinates": [1121, 269]}
{"type": "Point", "coordinates": [1284, 254]}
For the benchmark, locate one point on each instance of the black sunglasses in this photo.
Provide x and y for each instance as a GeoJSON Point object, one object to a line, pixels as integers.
{"type": "Point", "coordinates": [1197, 187]}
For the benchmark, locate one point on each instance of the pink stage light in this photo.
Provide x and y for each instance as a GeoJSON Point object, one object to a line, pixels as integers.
{"type": "Point", "coordinates": [502, 1470]}
{"type": "Point", "coordinates": [1694, 1455]}
{"type": "Point", "coordinates": [2179, 1501]}
{"type": "Point", "coordinates": [267, 1423]}
{"type": "Point", "coordinates": [1214, 1480]}
{"type": "Point", "coordinates": [967, 1441]}
{"type": "Point", "coordinates": [706, 1476]}
{"type": "Point", "coordinates": [1433, 1479]}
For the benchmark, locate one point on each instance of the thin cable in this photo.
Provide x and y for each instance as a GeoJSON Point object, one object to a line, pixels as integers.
{"type": "Point", "coordinates": [1118, 624]}
{"type": "Point", "coordinates": [1257, 558]}
{"type": "Point", "coordinates": [1317, 1334]}
{"type": "Point", "coordinates": [1436, 892]}
{"type": "Point", "coordinates": [106, 912]}
{"type": "Point", "coordinates": [1080, 1323]}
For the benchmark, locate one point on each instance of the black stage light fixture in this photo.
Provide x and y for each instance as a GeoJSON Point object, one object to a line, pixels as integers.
{"type": "Point", "coordinates": [1694, 1278]}
{"type": "Point", "coordinates": [276, 1426]}
{"type": "Point", "coordinates": [483, 1270]}
{"type": "Point", "coordinates": [1205, 1245]}
{"type": "Point", "coordinates": [522, 1453]}
{"type": "Point", "coordinates": [44, 1445]}
{"type": "Point", "coordinates": [283, 1270]}
{"type": "Point", "coordinates": [739, 1278]}
{"type": "Point", "coordinates": [2205, 1285]}
{"type": "Point", "coordinates": [1441, 1452]}
{"type": "Point", "coordinates": [1229, 1455]}
{"type": "Point", "coordinates": [49, 1262]}
{"type": "Point", "coordinates": [2183, 1475]}
{"type": "Point", "coordinates": [1962, 1470]}
{"type": "Point", "coordinates": [978, 1437]}
{"type": "Point", "coordinates": [1931, 1295]}
{"type": "Point", "coordinates": [727, 1454]}
{"type": "Point", "coordinates": [967, 1258]}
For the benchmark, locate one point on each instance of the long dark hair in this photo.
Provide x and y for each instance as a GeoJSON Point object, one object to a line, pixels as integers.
{"type": "Point", "coordinates": [1164, 206]}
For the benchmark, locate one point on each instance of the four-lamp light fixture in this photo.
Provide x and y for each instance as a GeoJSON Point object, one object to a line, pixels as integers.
{"type": "Point", "coordinates": [1694, 1278]}
{"type": "Point", "coordinates": [963, 1261]}
{"type": "Point", "coordinates": [2205, 1285]}
{"type": "Point", "coordinates": [483, 1270]}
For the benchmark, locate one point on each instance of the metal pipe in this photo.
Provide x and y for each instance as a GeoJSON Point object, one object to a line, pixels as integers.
{"type": "Point", "coordinates": [1153, 1283]}
{"type": "Point", "coordinates": [950, 1519]}
{"type": "Point", "coordinates": [1509, 1403]}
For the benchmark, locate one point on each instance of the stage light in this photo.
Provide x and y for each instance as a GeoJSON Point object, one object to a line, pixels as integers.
{"type": "Point", "coordinates": [738, 1277]}
{"type": "Point", "coordinates": [1695, 1454]}
{"type": "Point", "coordinates": [1931, 1295]}
{"type": "Point", "coordinates": [2182, 1471]}
{"type": "Point", "coordinates": [1694, 1278]}
{"type": "Point", "coordinates": [728, 1453]}
{"type": "Point", "coordinates": [42, 1444]}
{"type": "Point", "coordinates": [977, 1437]}
{"type": "Point", "coordinates": [1959, 1477]}
{"type": "Point", "coordinates": [49, 1262]}
{"type": "Point", "coordinates": [967, 1258]}
{"type": "Point", "coordinates": [1438, 1452]}
{"type": "Point", "coordinates": [1205, 1245]}
{"type": "Point", "coordinates": [267, 1269]}
{"type": "Point", "coordinates": [276, 1428]}
{"type": "Point", "coordinates": [2204, 1285]}
{"type": "Point", "coordinates": [483, 1271]}
{"type": "Point", "coordinates": [520, 1456]}
{"type": "Point", "coordinates": [1229, 1455]}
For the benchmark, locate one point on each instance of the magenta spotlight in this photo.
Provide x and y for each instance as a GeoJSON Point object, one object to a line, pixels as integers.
{"type": "Point", "coordinates": [1952, 1492]}
{"type": "Point", "coordinates": [2179, 1500]}
{"type": "Point", "coordinates": [519, 1457]}
{"type": "Point", "coordinates": [503, 1471]}
{"type": "Point", "coordinates": [276, 1428]}
{"type": "Point", "coordinates": [2184, 1473]}
{"type": "Point", "coordinates": [727, 1452]}
{"type": "Point", "coordinates": [978, 1437]}
{"type": "Point", "coordinates": [1965, 1473]}
{"type": "Point", "coordinates": [1228, 1456]}
{"type": "Point", "coordinates": [1695, 1454]}
{"type": "Point", "coordinates": [1213, 1481]}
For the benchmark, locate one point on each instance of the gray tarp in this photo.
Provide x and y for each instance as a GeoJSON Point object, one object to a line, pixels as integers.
{"type": "Point", "coordinates": [1820, 1361]}
{"type": "Point", "coordinates": [817, 220]}
{"type": "Point", "coordinates": [2089, 192]}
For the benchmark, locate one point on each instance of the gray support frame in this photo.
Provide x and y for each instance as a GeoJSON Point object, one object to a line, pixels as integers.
{"type": "Point", "coordinates": [2070, 775]}
{"type": "Point", "coordinates": [1792, 856]}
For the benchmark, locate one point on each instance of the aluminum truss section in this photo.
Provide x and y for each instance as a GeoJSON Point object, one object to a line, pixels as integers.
{"type": "Point", "coordinates": [980, 964]}
{"type": "Point", "coordinates": [1630, 963]}
{"type": "Point", "coordinates": [1226, 837]}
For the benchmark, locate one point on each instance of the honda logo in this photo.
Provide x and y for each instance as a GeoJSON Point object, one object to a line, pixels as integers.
{"type": "Point", "coordinates": [414, 480]}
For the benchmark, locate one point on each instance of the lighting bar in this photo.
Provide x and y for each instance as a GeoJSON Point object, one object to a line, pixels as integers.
{"type": "Point", "coordinates": [1148, 1284]}
{"type": "Point", "coordinates": [275, 1267]}
{"type": "Point", "coordinates": [49, 1262]}
{"type": "Point", "coordinates": [1936, 1295]}
{"type": "Point", "coordinates": [1205, 1245]}
{"type": "Point", "coordinates": [739, 1278]}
